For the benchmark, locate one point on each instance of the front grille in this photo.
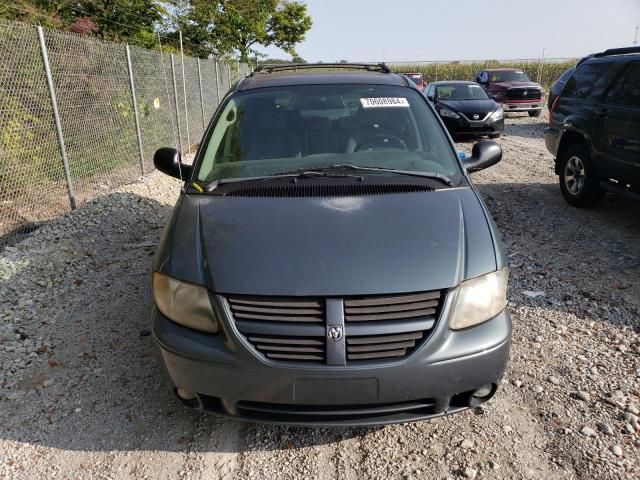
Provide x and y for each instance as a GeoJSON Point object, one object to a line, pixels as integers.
{"type": "Point", "coordinates": [375, 327]}
{"type": "Point", "coordinates": [270, 324]}
{"type": "Point", "coordinates": [390, 307]}
{"type": "Point", "coordinates": [480, 115]}
{"type": "Point", "coordinates": [289, 348]}
{"type": "Point", "coordinates": [335, 413]}
{"type": "Point", "coordinates": [413, 314]}
{"type": "Point", "coordinates": [277, 309]}
{"type": "Point", "coordinates": [523, 94]}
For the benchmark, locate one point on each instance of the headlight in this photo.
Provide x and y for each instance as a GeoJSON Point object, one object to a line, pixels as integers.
{"type": "Point", "coordinates": [480, 299]}
{"type": "Point", "coordinates": [498, 114]}
{"type": "Point", "coordinates": [184, 303]}
{"type": "Point", "coordinates": [448, 113]}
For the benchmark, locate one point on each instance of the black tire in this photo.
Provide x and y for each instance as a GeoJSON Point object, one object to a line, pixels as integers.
{"type": "Point", "coordinates": [535, 113]}
{"type": "Point", "coordinates": [579, 184]}
{"type": "Point", "coordinates": [495, 135]}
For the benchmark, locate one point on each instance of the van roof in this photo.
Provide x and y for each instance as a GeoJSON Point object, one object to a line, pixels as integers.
{"type": "Point", "coordinates": [288, 78]}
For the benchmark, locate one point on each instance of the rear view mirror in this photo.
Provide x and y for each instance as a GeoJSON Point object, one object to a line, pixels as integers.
{"type": "Point", "coordinates": [484, 154]}
{"type": "Point", "coordinates": [167, 160]}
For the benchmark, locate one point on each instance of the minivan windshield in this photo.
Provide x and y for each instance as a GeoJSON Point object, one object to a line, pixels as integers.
{"type": "Point", "coordinates": [267, 131]}
{"type": "Point", "coordinates": [509, 76]}
{"type": "Point", "coordinates": [464, 91]}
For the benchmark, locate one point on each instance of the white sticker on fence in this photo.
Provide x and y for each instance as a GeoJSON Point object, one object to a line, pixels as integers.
{"type": "Point", "coordinates": [382, 102]}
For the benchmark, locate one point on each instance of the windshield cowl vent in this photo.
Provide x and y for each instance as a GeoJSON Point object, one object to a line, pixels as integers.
{"type": "Point", "coordinates": [341, 190]}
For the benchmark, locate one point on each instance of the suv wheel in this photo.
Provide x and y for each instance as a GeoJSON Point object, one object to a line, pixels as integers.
{"type": "Point", "coordinates": [578, 183]}
{"type": "Point", "coordinates": [535, 113]}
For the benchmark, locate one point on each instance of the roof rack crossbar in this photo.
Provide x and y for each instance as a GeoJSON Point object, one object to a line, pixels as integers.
{"type": "Point", "coordinates": [370, 67]}
{"type": "Point", "coordinates": [617, 51]}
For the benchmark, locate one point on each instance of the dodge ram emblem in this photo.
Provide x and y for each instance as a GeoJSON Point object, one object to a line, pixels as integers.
{"type": "Point", "coordinates": [334, 332]}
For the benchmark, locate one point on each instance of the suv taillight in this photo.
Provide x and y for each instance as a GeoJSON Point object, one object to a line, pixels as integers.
{"type": "Point", "coordinates": [553, 108]}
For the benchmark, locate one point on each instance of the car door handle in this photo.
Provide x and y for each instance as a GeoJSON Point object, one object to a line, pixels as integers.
{"type": "Point", "coordinates": [601, 111]}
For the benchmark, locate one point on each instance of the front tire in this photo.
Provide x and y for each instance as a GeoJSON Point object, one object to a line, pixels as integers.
{"type": "Point", "coordinates": [535, 113]}
{"type": "Point", "coordinates": [579, 184]}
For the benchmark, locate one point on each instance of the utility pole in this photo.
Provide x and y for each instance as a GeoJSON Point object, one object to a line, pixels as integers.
{"type": "Point", "coordinates": [635, 38]}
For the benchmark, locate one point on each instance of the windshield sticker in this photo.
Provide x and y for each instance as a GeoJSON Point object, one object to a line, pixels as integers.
{"type": "Point", "coordinates": [383, 102]}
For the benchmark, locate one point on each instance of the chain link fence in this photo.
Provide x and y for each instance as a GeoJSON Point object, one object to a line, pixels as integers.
{"type": "Point", "coordinates": [79, 116]}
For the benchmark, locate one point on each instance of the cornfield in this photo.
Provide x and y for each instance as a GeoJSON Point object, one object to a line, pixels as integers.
{"type": "Point", "coordinates": [543, 72]}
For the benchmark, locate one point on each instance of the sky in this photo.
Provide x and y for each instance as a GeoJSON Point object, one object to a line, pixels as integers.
{"type": "Point", "coordinates": [412, 30]}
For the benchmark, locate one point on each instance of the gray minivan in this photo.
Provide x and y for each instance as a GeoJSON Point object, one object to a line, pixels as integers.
{"type": "Point", "coordinates": [329, 261]}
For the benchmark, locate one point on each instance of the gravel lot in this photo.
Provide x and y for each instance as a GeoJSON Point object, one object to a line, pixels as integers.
{"type": "Point", "coordinates": [81, 396]}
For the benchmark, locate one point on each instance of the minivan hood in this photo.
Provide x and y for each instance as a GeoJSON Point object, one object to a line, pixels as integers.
{"type": "Point", "coordinates": [332, 246]}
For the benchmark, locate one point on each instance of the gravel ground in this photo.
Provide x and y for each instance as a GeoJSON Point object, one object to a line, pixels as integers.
{"type": "Point", "coordinates": [81, 395]}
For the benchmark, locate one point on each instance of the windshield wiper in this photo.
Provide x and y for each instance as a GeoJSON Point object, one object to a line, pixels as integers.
{"type": "Point", "coordinates": [294, 174]}
{"type": "Point", "coordinates": [364, 168]}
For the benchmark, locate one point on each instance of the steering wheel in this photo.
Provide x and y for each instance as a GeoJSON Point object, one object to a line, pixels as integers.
{"type": "Point", "coordinates": [381, 140]}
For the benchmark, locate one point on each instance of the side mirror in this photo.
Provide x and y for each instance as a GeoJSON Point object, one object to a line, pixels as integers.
{"type": "Point", "coordinates": [484, 154]}
{"type": "Point", "coordinates": [167, 160]}
{"type": "Point", "coordinates": [430, 98]}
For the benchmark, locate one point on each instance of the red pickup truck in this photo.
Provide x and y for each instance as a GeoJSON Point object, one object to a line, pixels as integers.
{"type": "Point", "coordinates": [417, 79]}
{"type": "Point", "coordinates": [513, 89]}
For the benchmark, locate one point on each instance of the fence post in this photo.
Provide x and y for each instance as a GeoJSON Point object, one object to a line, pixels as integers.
{"type": "Point", "coordinates": [539, 70]}
{"type": "Point", "coordinates": [135, 108]}
{"type": "Point", "coordinates": [201, 96]}
{"type": "Point", "coordinates": [229, 73]}
{"type": "Point", "coordinates": [184, 90]}
{"type": "Point", "coordinates": [175, 96]}
{"type": "Point", "coordinates": [217, 80]}
{"type": "Point", "coordinates": [436, 70]}
{"type": "Point", "coordinates": [56, 117]}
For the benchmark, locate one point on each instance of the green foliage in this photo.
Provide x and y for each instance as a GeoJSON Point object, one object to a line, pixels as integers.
{"type": "Point", "coordinates": [209, 27]}
{"type": "Point", "coordinates": [545, 73]}
{"type": "Point", "coordinates": [234, 27]}
{"type": "Point", "coordinates": [124, 21]}
{"type": "Point", "coordinates": [280, 61]}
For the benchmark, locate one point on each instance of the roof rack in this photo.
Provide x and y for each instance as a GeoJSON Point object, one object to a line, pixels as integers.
{"type": "Point", "coordinates": [369, 67]}
{"type": "Point", "coordinates": [611, 51]}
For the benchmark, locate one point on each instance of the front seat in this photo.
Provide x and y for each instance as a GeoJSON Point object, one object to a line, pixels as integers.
{"type": "Point", "coordinates": [272, 138]}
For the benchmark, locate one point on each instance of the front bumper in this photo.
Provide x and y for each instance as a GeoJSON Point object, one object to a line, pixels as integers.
{"type": "Point", "coordinates": [230, 378]}
{"type": "Point", "coordinates": [521, 105]}
{"type": "Point", "coordinates": [464, 126]}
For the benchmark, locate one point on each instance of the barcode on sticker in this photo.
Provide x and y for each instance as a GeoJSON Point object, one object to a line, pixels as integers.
{"type": "Point", "coordinates": [384, 102]}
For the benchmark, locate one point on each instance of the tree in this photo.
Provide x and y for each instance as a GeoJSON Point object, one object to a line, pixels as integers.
{"type": "Point", "coordinates": [131, 21]}
{"type": "Point", "coordinates": [234, 27]}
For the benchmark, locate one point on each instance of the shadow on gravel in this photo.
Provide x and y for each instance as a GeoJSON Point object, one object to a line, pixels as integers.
{"type": "Point", "coordinates": [98, 386]}
{"type": "Point", "coordinates": [526, 130]}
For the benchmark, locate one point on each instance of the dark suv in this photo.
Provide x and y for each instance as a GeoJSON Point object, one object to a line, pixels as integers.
{"type": "Point", "coordinates": [594, 127]}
